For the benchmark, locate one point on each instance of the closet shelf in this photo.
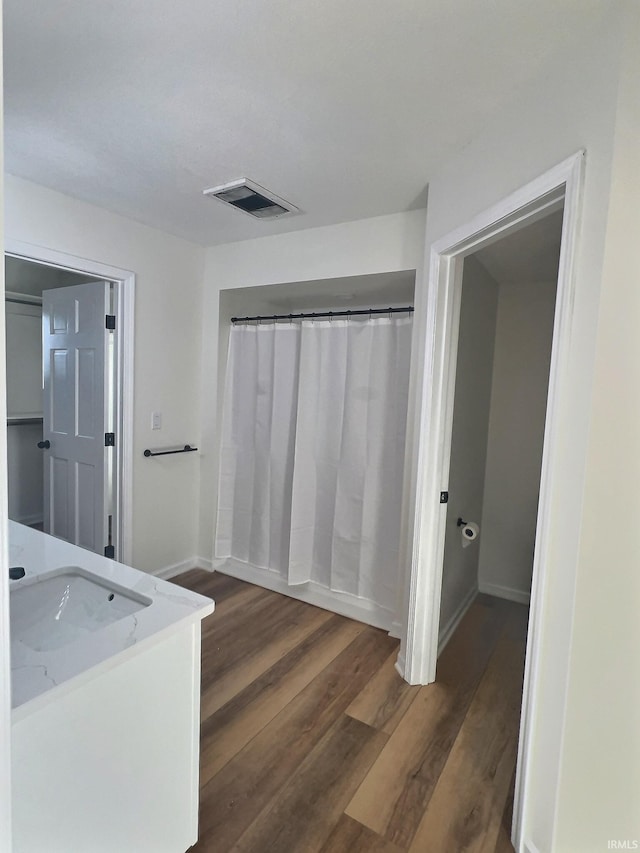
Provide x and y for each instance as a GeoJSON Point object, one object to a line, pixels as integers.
{"type": "Point", "coordinates": [20, 420]}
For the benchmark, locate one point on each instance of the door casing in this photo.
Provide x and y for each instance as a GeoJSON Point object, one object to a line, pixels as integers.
{"type": "Point", "coordinates": [418, 655]}
{"type": "Point", "coordinates": [124, 305]}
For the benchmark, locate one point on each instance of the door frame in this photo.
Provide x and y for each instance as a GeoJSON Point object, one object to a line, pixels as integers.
{"type": "Point", "coordinates": [124, 306]}
{"type": "Point", "coordinates": [417, 660]}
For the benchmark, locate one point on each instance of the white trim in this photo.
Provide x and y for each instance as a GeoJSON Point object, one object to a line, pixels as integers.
{"type": "Point", "coordinates": [529, 847]}
{"type": "Point", "coordinates": [395, 630]}
{"type": "Point", "coordinates": [194, 752]}
{"type": "Point", "coordinates": [530, 202]}
{"type": "Point", "coordinates": [176, 569]}
{"type": "Point", "coordinates": [520, 596]}
{"type": "Point", "coordinates": [125, 323]}
{"type": "Point", "coordinates": [5, 659]}
{"type": "Point", "coordinates": [22, 298]}
{"type": "Point", "coordinates": [342, 603]}
{"type": "Point", "coordinates": [447, 632]}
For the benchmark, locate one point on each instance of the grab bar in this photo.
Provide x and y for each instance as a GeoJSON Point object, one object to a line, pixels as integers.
{"type": "Point", "coordinates": [186, 449]}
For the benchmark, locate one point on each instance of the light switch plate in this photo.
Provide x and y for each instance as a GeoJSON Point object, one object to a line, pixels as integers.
{"type": "Point", "coordinates": [156, 420]}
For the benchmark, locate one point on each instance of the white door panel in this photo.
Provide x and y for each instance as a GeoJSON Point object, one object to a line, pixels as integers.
{"type": "Point", "coordinates": [75, 362]}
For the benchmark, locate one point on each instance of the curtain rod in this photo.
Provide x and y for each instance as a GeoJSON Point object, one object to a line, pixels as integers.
{"type": "Point", "coordinates": [314, 315]}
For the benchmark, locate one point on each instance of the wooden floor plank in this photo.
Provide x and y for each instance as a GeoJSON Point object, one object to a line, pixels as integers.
{"type": "Point", "coordinates": [386, 698]}
{"type": "Point", "coordinates": [233, 798]}
{"type": "Point", "coordinates": [299, 706]}
{"type": "Point", "coordinates": [239, 598]}
{"type": "Point", "coordinates": [349, 836]}
{"type": "Point", "coordinates": [503, 842]}
{"type": "Point", "coordinates": [213, 584]}
{"type": "Point", "coordinates": [251, 668]}
{"type": "Point", "coordinates": [314, 798]}
{"type": "Point", "coordinates": [393, 797]}
{"type": "Point", "coordinates": [465, 811]}
{"type": "Point", "coordinates": [245, 632]}
{"type": "Point", "coordinates": [226, 732]}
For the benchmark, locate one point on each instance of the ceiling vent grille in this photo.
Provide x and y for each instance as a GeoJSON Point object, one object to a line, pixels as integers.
{"type": "Point", "coordinates": [251, 198]}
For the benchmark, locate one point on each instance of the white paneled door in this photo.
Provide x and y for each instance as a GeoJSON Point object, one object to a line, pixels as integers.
{"type": "Point", "coordinates": [76, 413]}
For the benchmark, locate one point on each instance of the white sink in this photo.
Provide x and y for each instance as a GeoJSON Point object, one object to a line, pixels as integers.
{"type": "Point", "coordinates": [65, 605]}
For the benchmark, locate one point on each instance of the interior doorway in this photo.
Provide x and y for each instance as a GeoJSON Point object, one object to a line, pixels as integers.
{"type": "Point", "coordinates": [560, 187]}
{"type": "Point", "coordinates": [505, 336]}
{"type": "Point", "coordinates": [69, 392]}
{"type": "Point", "coordinates": [502, 377]}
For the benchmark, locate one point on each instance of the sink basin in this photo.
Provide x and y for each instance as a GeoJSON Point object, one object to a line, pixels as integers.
{"type": "Point", "coordinates": [65, 605]}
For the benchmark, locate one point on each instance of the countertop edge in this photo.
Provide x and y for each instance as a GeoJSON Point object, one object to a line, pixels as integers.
{"type": "Point", "coordinates": [42, 700]}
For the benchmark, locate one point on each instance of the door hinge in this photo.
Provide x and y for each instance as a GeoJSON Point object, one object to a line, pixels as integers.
{"type": "Point", "coordinates": [109, 439]}
{"type": "Point", "coordinates": [444, 497]}
{"type": "Point", "coordinates": [109, 550]}
{"type": "Point", "coordinates": [110, 321]}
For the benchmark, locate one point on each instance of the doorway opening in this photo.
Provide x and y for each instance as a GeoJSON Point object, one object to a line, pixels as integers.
{"type": "Point", "coordinates": [559, 188]}
{"type": "Point", "coordinates": [69, 398]}
{"type": "Point", "coordinates": [505, 333]}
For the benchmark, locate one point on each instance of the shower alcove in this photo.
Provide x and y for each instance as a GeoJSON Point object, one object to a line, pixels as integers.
{"type": "Point", "coordinates": [311, 422]}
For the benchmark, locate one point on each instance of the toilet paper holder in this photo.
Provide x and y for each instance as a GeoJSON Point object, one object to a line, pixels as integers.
{"type": "Point", "coordinates": [460, 522]}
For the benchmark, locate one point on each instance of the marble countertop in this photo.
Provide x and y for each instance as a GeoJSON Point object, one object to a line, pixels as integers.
{"type": "Point", "coordinates": [38, 677]}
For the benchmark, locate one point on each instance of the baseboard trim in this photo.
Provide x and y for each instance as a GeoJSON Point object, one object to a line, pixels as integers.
{"type": "Point", "coordinates": [529, 847]}
{"type": "Point", "coordinates": [400, 665]}
{"type": "Point", "coordinates": [395, 630]}
{"type": "Point", "coordinates": [447, 632]}
{"type": "Point", "coordinates": [342, 603]}
{"type": "Point", "coordinates": [499, 591]}
{"type": "Point", "coordinates": [167, 572]}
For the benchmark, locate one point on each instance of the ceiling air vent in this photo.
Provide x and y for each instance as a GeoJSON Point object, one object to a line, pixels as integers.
{"type": "Point", "coordinates": [251, 198]}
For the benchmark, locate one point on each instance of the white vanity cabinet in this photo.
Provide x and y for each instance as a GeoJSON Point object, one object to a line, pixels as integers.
{"type": "Point", "coordinates": [113, 765]}
{"type": "Point", "coordinates": [105, 733]}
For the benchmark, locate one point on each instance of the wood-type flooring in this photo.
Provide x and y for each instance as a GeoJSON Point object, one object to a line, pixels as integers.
{"type": "Point", "coordinates": [312, 743]}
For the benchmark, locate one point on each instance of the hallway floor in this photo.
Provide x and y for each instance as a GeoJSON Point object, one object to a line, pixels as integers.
{"type": "Point", "coordinates": [311, 741]}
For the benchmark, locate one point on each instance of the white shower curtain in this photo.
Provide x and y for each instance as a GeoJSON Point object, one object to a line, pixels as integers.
{"type": "Point", "coordinates": [313, 451]}
{"type": "Point", "coordinates": [256, 456]}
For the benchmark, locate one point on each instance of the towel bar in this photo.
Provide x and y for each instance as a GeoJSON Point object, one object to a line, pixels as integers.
{"type": "Point", "coordinates": [186, 449]}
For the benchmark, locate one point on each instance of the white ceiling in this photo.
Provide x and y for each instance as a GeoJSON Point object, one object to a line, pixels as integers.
{"type": "Point", "coordinates": [27, 277]}
{"type": "Point", "coordinates": [527, 256]}
{"type": "Point", "coordinates": [343, 107]}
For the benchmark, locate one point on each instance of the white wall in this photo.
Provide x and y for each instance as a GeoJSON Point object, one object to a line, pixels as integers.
{"type": "Point", "coordinates": [599, 796]}
{"type": "Point", "coordinates": [382, 244]}
{"type": "Point", "coordinates": [167, 351]}
{"type": "Point", "coordinates": [524, 331]}
{"type": "Point", "coordinates": [469, 438]}
{"type": "Point", "coordinates": [574, 107]}
{"type": "Point", "coordinates": [25, 474]}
